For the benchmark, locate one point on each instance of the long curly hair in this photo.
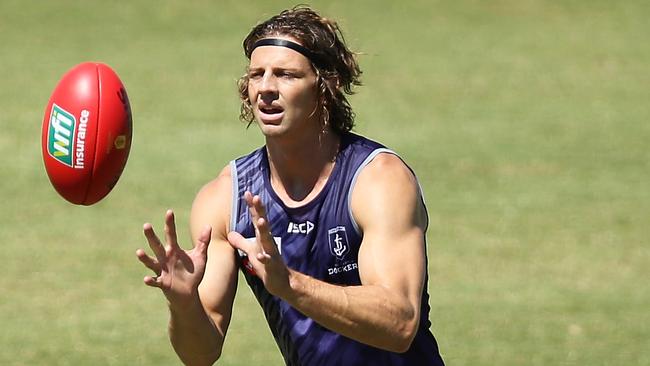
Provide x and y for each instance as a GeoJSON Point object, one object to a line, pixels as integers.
{"type": "Point", "coordinates": [337, 70]}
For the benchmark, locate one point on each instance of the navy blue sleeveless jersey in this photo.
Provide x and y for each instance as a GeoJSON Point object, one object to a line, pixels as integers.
{"type": "Point", "coordinates": [320, 239]}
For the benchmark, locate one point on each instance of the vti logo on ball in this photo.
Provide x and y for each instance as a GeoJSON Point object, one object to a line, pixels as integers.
{"type": "Point", "coordinates": [61, 137]}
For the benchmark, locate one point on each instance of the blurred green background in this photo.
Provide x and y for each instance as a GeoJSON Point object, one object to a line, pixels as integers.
{"type": "Point", "coordinates": [526, 122]}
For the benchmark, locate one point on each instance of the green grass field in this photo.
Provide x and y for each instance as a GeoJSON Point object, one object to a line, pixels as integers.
{"type": "Point", "coordinates": [527, 123]}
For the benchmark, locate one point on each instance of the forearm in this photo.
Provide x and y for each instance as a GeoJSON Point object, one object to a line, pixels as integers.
{"type": "Point", "coordinates": [370, 314]}
{"type": "Point", "coordinates": [195, 338]}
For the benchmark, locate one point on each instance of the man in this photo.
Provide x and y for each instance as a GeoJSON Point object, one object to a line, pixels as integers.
{"type": "Point", "coordinates": [327, 226]}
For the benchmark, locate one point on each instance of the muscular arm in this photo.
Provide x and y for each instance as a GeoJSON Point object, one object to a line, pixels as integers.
{"type": "Point", "coordinates": [384, 310]}
{"type": "Point", "coordinates": [197, 327]}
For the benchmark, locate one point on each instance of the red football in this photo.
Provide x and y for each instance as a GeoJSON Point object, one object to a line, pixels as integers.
{"type": "Point", "coordinates": [86, 135]}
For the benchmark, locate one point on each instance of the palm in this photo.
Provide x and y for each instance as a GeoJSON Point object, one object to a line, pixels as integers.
{"type": "Point", "coordinates": [262, 253]}
{"type": "Point", "coordinates": [178, 272]}
{"type": "Point", "coordinates": [181, 272]}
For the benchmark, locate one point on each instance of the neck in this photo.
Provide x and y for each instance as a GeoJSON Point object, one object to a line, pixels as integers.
{"type": "Point", "coordinates": [300, 169]}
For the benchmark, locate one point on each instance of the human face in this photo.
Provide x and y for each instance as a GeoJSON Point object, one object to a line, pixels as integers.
{"type": "Point", "coordinates": [282, 91]}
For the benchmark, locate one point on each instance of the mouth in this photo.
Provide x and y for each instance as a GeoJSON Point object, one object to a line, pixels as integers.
{"type": "Point", "coordinates": [269, 112]}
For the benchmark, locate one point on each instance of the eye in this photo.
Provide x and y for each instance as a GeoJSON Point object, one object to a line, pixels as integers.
{"type": "Point", "coordinates": [255, 75]}
{"type": "Point", "coordinates": [288, 74]}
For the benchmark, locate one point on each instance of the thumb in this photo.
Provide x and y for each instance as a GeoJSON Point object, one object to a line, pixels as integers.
{"type": "Point", "coordinates": [237, 241]}
{"type": "Point", "coordinates": [204, 239]}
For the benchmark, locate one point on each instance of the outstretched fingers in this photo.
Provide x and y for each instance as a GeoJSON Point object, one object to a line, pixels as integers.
{"type": "Point", "coordinates": [176, 271]}
{"type": "Point", "coordinates": [170, 231]}
{"type": "Point", "coordinates": [266, 240]}
{"type": "Point", "coordinates": [153, 281]}
{"type": "Point", "coordinates": [148, 262]}
{"type": "Point", "coordinates": [248, 197]}
{"type": "Point", "coordinates": [255, 206]}
{"type": "Point", "coordinates": [154, 243]}
{"type": "Point", "coordinates": [259, 206]}
{"type": "Point", "coordinates": [262, 227]}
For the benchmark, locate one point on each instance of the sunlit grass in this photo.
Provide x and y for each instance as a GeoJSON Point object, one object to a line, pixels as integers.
{"type": "Point", "coordinates": [526, 122]}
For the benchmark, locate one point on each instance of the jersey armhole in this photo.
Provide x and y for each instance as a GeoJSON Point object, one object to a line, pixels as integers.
{"type": "Point", "coordinates": [234, 206]}
{"type": "Point", "coordinates": [367, 161]}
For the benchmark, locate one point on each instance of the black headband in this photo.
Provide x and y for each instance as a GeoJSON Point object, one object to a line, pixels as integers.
{"type": "Point", "coordinates": [313, 57]}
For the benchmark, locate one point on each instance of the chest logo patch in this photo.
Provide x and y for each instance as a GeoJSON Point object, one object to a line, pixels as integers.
{"type": "Point", "coordinates": [302, 228]}
{"type": "Point", "coordinates": [338, 240]}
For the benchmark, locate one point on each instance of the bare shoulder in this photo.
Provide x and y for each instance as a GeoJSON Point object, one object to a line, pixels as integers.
{"type": "Point", "coordinates": [387, 168]}
{"type": "Point", "coordinates": [217, 186]}
{"type": "Point", "coordinates": [385, 174]}
{"type": "Point", "coordinates": [212, 203]}
{"type": "Point", "coordinates": [388, 187]}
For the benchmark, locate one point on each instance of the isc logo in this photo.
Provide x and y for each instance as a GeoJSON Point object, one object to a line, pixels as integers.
{"type": "Point", "coordinates": [61, 135]}
{"type": "Point", "coordinates": [302, 228]}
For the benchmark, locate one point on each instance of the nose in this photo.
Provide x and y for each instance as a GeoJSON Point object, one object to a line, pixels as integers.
{"type": "Point", "coordinates": [268, 84]}
{"type": "Point", "coordinates": [268, 88]}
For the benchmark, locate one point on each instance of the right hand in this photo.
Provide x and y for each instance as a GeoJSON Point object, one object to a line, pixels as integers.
{"type": "Point", "coordinates": [178, 272]}
{"type": "Point", "coordinates": [263, 252]}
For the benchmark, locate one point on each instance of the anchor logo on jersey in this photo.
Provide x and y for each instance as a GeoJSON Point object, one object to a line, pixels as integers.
{"type": "Point", "coordinates": [338, 240]}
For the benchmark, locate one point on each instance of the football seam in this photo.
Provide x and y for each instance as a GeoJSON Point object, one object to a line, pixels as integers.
{"type": "Point", "coordinates": [94, 157]}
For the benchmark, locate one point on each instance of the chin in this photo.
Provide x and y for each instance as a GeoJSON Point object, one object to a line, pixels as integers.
{"type": "Point", "coordinates": [271, 130]}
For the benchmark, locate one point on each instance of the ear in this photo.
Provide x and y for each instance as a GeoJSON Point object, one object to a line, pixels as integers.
{"type": "Point", "coordinates": [332, 83]}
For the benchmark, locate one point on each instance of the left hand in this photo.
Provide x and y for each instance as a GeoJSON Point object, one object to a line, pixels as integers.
{"type": "Point", "coordinates": [262, 253]}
